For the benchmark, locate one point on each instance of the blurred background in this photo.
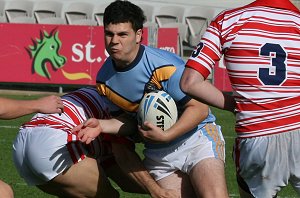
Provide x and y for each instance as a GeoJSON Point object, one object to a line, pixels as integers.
{"type": "Point", "coordinates": [77, 31]}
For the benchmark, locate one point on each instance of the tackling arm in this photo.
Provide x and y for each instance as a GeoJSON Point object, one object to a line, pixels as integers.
{"type": "Point", "coordinates": [130, 163]}
{"type": "Point", "coordinates": [122, 125]}
{"type": "Point", "coordinates": [91, 128]}
{"type": "Point", "coordinates": [10, 108]}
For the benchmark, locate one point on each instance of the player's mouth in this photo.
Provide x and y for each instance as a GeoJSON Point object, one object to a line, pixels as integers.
{"type": "Point", "coordinates": [114, 50]}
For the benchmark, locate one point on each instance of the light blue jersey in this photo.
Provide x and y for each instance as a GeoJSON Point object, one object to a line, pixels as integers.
{"type": "Point", "coordinates": [126, 88]}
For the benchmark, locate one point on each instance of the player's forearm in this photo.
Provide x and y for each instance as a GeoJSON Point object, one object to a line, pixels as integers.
{"type": "Point", "coordinates": [144, 179]}
{"type": "Point", "coordinates": [193, 84]}
{"type": "Point", "coordinates": [10, 108]}
{"type": "Point", "coordinates": [147, 182]}
{"type": "Point", "coordinates": [131, 164]}
{"type": "Point", "coordinates": [121, 125]}
{"type": "Point", "coordinates": [194, 113]}
{"type": "Point", "coordinates": [110, 126]}
{"type": "Point", "coordinates": [210, 95]}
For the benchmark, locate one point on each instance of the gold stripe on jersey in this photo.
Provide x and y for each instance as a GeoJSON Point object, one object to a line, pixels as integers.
{"type": "Point", "coordinates": [162, 74]}
{"type": "Point", "coordinates": [117, 99]}
{"type": "Point", "coordinates": [101, 89]}
{"type": "Point", "coordinates": [159, 75]}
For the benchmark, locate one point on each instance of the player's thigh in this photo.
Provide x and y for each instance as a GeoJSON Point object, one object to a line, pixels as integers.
{"type": "Point", "coordinates": [208, 178]}
{"type": "Point", "coordinates": [178, 181]}
{"type": "Point", "coordinates": [84, 179]}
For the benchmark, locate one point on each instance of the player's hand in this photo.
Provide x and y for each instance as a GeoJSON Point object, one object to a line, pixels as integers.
{"type": "Point", "coordinates": [151, 133]}
{"type": "Point", "coordinates": [50, 104]}
{"type": "Point", "coordinates": [88, 130]}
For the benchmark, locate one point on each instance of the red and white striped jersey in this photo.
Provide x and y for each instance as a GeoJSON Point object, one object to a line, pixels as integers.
{"type": "Point", "coordinates": [261, 47]}
{"type": "Point", "coordinates": [78, 106]}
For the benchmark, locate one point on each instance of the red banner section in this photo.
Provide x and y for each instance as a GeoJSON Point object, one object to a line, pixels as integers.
{"type": "Point", "coordinates": [52, 54]}
{"type": "Point", "coordinates": [67, 54]}
{"type": "Point", "coordinates": [167, 39]}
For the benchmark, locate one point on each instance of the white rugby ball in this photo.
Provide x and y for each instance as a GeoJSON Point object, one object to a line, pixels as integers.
{"type": "Point", "coordinates": [159, 108]}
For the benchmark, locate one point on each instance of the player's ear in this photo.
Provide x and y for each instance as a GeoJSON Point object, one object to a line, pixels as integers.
{"type": "Point", "coordinates": [138, 36]}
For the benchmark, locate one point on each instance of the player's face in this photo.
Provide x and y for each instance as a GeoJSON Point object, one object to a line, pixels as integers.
{"type": "Point", "coordinates": [122, 43]}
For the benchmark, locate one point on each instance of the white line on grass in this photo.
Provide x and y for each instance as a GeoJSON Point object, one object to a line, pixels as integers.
{"type": "Point", "coordinates": [229, 137]}
{"type": "Point", "coordinates": [9, 127]}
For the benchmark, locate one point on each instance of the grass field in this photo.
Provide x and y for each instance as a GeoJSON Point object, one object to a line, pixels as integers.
{"type": "Point", "coordinates": [9, 129]}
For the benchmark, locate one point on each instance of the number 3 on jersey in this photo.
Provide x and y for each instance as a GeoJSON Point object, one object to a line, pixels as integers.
{"type": "Point", "coordinates": [278, 58]}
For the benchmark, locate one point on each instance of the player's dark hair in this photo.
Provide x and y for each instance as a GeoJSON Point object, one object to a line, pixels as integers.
{"type": "Point", "coordinates": [122, 12]}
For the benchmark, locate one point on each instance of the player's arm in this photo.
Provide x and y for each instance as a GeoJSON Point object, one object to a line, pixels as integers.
{"type": "Point", "coordinates": [123, 125]}
{"type": "Point", "coordinates": [194, 113]}
{"type": "Point", "coordinates": [194, 85]}
{"type": "Point", "coordinates": [91, 128]}
{"type": "Point", "coordinates": [11, 108]}
{"type": "Point", "coordinates": [130, 163]}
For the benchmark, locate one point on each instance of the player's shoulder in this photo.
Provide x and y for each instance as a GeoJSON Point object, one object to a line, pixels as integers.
{"type": "Point", "coordinates": [162, 57]}
{"type": "Point", "coordinates": [106, 70]}
{"type": "Point", "coordinates": [158, 51]}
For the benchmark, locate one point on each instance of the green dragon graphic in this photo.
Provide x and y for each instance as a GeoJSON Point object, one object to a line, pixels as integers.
{"type": "Point", "coordinates": [45, 50]}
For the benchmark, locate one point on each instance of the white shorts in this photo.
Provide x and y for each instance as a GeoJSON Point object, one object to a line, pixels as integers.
{"type": "Point", "coordinates": [268, 163]}
{"type": "Point", "coordinates": [41, 153]}
{"type": "Point", "coordinates": [208, 142]}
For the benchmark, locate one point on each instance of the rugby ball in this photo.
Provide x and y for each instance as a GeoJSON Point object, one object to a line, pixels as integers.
{"type": "Point", "coordinates": [159, 108]}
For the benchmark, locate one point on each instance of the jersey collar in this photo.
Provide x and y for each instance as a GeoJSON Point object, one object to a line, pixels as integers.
{"type": "Point", "coordinates": [134, 62]}
{"type": "Point", "coordinates": [283, 4]}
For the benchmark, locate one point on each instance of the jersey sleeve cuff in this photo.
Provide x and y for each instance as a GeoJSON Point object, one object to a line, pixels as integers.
{"type": "Point", "coordinates": [201, 69]}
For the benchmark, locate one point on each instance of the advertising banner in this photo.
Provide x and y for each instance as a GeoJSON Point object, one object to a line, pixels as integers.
{"type": "Point", "coordinates": [167, 39]}
{"type": "Point", "coordinates": [68, 54]}
{"type": "Point", "coordinates": [52, 54]}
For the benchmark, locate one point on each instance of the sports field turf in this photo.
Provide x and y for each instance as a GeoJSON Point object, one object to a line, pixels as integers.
{"type": "Point", "coordinates": [9, 129]}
